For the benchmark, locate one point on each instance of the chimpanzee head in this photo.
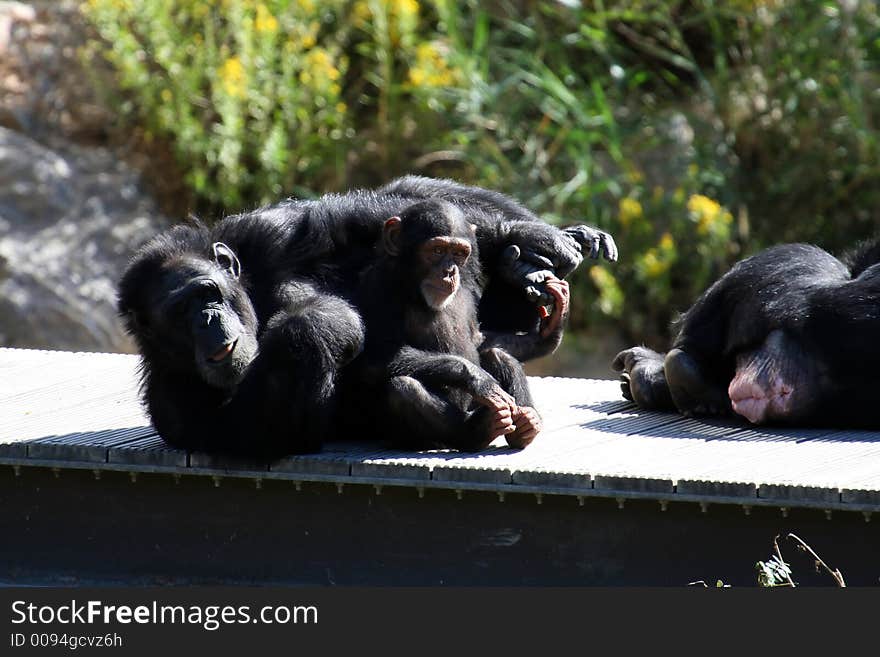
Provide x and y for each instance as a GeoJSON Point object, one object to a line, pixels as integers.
{"type": "Point", "coordinates": [436, 247]}
{"type": "Point", "coordinates": [183, 302]}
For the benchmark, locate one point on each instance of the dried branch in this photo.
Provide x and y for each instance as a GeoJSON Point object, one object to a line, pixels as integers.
{"type": "Point", "coordinates": [836, 574]}
{"type": "Point", "coordinates": [781, 560]}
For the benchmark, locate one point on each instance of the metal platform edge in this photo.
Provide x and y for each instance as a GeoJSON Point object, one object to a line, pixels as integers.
{"type": "Point", "coordinates": [459, 487]}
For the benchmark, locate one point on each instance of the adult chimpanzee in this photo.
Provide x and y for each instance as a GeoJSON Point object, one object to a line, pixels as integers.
{"type": "Point", "coordinates": [428, 377]}
{"type": "Point", "coordinates": [242, 328]}
{"type": "Point", "coordinates": [788, 335]}
{"type": "Point", "coordinates": [235, 358]}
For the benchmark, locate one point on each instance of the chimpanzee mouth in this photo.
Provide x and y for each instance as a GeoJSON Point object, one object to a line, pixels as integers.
{"type": "Point", "coordinates": [442, 287]}
{"type": "Point", "coordinates": [223, 352]}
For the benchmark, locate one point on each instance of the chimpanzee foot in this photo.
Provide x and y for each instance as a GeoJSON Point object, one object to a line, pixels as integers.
{"type": "Point", "coordinates": [691, 392]}
{"type": "Point", "coordinates": [501, 423]}
{"type": "Point", "coordinates": [499, 407]}
{"type": "Point", "coordinates": [642, 378]}
{"type": "Point", "coordinates": [528, 425]}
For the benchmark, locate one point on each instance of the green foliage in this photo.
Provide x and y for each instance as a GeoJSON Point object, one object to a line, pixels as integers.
{"type": "Point", "coordinates": [695, 131]}
{"type": "Point", "coordinates": [773, 572]}
{"type": "Point", "coordinates": [640, 117]}
{"type": "Point", "coordinates": [776, 572]}
{"type": "Point", "coordinates": [402, 83]}
{"type": "Point", "coordinates": [264, 99]}
{"type": "Point", "coordinates": [252, 102]}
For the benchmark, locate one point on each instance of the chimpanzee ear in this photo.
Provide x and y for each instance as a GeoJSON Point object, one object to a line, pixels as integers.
{"type": "Point", "coordinates": [226, 259]}
{"type": "Point", "coordinates": [136, 324]}
{"type": "Point", "coordinates": [391, 236]}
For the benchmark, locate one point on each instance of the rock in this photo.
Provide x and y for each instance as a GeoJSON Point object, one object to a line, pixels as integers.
{"type": "Point", "coordinates": [45, 90]}
{"type": "Point", "coordinates": [71, 212]}
{"type": "Point", "coordinates": [68, 225]}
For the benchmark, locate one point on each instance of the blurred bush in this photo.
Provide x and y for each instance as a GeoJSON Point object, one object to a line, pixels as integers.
{"type": "Point", "coordinates": [694, 131]}
{"type": "Point", "coordinates": [249, 93]}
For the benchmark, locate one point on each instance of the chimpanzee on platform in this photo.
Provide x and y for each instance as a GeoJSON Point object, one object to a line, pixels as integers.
{"type": "Point", "coordinates": [428, 377]}
{"type": "Point", "coordinates": [788, 335]}
{"type": "Point", "coordinates": [243, 328]}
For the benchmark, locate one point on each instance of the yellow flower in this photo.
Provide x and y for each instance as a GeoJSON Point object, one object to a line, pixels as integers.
{"type": "Point", "coordinates": [405, 8]}
{"type": "Point", "coordinates": [233, 77]}
{"type": "Point", "coordinates": [703, 205]}
{"type": "Point", "coordinates": [652, 265]}
{"type": "Point", "coordinates": [319, 66]}
{"type": "Point", "coordinates": [417, 77]}
{"type": "Point", "coordinates": [629, 210]}
{"type": "Point", "coordinates": [656, 262]}
{"type": "Point", "coordinates": [361, 11]}
{"type": "Point", "coordinates": [708, 214]}
{"type": "Point", "coordinates": [430, 68]}
{"type": "Point", "coordinates": [265, 21]}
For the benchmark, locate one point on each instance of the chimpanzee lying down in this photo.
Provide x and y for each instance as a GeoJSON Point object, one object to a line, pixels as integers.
{"type": "Point", "coordinates": [243, 327]}
{"type": "Point", "coordinates": [788, 335]}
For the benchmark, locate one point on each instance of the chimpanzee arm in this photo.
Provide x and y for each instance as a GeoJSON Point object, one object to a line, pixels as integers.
{"type": "Point", "coordinates": [444, 369]}
{"type": "Point", "coordinates": [286, 400]}
{"type": "Point", "coordinates": [486, 200]}
{"type": "Point", "coordinates": [502, 222]}
{"type": "Point", "coordinates": [541, 342]}
{"type": "Point", "coordinates": [333, 322]}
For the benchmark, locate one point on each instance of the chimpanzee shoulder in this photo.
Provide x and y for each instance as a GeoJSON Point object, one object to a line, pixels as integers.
{"type": "Point", "coordinates": [863, 255]}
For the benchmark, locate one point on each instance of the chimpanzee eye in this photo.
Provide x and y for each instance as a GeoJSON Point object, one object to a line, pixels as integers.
{"type": "Point", "coordinates": [210, 293]}
{"type": "Point", "coordinates": [438, 250]}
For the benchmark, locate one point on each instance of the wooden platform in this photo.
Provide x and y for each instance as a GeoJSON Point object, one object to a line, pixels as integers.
{"type": "Point", "coordinates": [80, 411]}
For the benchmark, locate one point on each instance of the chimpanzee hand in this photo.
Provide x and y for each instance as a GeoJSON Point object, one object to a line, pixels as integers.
{"type": "Point", "coordinates": [560, 252]}
{"type": "Point", "coordinates": [501, 407]}
{"type": "Point", "coordinates": [528, 271]}
{"type": "Point", "coordinates": [527, 425]}
{"type": "Point", "coordinates": [595, 240]}
{"type": "Point", "coordinates": [534, 275]}
{"type": "Point", "coordinates": [559, 292]}
{"type": "Point", "coordinates": [563, 249]}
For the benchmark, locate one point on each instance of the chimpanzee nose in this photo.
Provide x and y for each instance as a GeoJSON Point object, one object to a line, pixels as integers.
{"type": "Point", "coordinates": [207, 317]}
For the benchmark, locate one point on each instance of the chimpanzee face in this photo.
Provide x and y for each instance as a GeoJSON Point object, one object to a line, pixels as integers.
{"type": "Point", "coordinates": [436, 246]}
{"type": "Point", "coordinates": [200, 314]}
{"type": "Point", "coordinates": [441, 260]}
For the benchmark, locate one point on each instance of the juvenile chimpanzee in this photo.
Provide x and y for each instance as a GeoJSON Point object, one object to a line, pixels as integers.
{"type": "Point", "coordinates": [242, 328]}
{"type": "Point", "coordinates": [429, 375]}
{"type": "Point", "coordinates": [788, 335]}
{"type": "Point", "coordinates": [519, 251]}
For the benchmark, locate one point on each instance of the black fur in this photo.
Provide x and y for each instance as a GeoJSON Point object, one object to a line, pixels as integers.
{"type": "Point", "coordinates": [423, 368]}
{"type": "Point", "coordinates": [282, 398]}
{"type": "Point", "coordinates": [787, 335]}
{"type": "Point", "coordinates": [333, 238]}
{"type": "Point", "coordinates": [300, 260]}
